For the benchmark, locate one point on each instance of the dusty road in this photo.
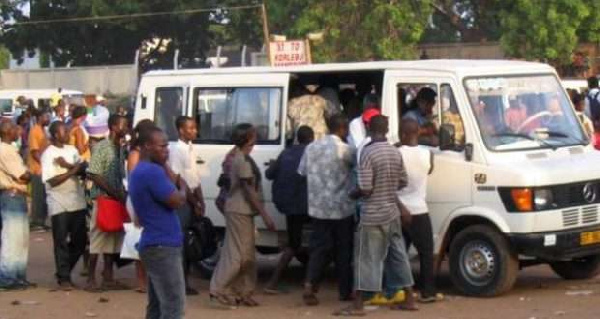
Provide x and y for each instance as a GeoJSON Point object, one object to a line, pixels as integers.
{"type": "Point", "coordinates": [538, 294]}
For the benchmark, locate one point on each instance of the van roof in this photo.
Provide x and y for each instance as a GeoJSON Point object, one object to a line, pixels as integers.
{"type": "Point", "coordinates": [463, 67]}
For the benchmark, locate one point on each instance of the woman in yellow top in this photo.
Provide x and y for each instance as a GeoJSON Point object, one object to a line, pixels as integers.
{"type": "Point", "coordinates": [78, 136]}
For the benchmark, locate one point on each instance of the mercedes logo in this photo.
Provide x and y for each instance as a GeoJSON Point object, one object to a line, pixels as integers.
{"type": "Point", "coordinates": [589, 193]}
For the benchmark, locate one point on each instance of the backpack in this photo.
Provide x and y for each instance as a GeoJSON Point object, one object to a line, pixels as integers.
{"type": "Point", "coordinates": [200, 240]}
{"type": "Point", "coordinates": [594, 106]}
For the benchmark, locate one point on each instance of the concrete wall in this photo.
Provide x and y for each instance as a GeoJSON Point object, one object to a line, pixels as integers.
{"type": "Point", "coordinates": [115, 79]}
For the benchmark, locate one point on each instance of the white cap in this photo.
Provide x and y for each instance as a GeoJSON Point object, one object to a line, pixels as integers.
{"type": "Point", "coordinates": [100, 98]}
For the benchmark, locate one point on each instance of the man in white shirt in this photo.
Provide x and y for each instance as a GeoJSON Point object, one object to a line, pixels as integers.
{"type": "Point", "coordinates": [357, 128]}
{"type": "Point", "coordinates": [419, 164]}
{"type": "Point", "coordinates": [61, 168]}
{"type": "Point", "coordinates": [183, 161]}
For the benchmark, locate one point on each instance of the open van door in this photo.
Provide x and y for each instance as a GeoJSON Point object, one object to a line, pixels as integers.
{"type": "Point", "coordinates": [219, 102]}
{"type": "Point", "coordinates": [449, 186]}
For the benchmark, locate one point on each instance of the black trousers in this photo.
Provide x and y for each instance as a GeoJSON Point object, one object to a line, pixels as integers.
{"type": "Point", "coordinates": [420, 234]}
{"type": "Point", "coordinates": [69, 233]}
{"type": "Point", "coordinates": [329, 237]}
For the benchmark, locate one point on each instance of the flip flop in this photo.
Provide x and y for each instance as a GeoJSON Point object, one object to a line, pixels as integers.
{"type": "Point", "coordinates": [222, 302]}
{"type": "Point", "coordinates": [114, 285]}
{"type": "Point", "coordinates": [349, 312]}
{"type": "Point", "coordinates": [248, 302]}
{"type": "Point", "coordinates": [92, 288]}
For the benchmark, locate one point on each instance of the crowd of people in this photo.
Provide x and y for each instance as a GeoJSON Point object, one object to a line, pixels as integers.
{"type": "Point", "coordinates": [364, 199]}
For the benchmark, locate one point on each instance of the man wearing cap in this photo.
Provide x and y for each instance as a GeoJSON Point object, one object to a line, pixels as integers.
{"type": "Point", "coordinates": [96, 123]}
{"type": "Point", "coordinates": [358, 130]}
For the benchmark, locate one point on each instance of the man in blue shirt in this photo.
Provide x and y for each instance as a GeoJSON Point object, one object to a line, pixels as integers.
{"type": "Point", "coordinates": [156, 194]}
{"type": "Point", "coordinates": [291, 199]}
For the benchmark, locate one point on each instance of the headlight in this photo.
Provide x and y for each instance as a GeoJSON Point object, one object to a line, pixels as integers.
{"type": "Point", "coordinates": [543, 199]}
{"type": "Point", "coordinates": [527, 199]}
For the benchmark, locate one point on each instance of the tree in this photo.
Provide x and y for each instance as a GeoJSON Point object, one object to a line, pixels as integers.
{"type": "Point", "coordinates": [4, 58]}
{"type": "Point", "coordinates": [542, 30]}
{"type": "Point", "coordinates": [116, 41]}
{"type": "Point", "coordinates": [360, 30]}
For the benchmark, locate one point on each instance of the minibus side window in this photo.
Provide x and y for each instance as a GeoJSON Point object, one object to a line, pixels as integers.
{"type": "Point", "coordinates": [217, 111]}
{"type": "Point", "coordinates": [451, 115]}
{"type": "Point", "coordinates": [168, 105]}
{"type": "Point", "coordinates": [408, 107]}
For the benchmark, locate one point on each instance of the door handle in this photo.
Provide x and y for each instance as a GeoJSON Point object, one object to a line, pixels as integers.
{"type": "Point", "coordinates": [200, 161]}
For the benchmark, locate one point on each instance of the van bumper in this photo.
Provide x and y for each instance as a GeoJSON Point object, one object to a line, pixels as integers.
{"type": "Point", "coordinates": [551, 246]}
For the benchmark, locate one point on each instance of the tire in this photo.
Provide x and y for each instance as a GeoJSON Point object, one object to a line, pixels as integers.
{"type": "Point", "coordinates": [482, 263]}
{"type": "Point", "coordinates": [577, 269]}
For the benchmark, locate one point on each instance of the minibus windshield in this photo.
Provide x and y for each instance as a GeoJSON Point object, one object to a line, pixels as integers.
{"type": "Point", "coordinates": [523, 112]}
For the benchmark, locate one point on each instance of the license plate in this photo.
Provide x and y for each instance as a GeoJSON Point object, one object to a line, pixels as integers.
{"type": "Point", "coordinates": [588, 238]}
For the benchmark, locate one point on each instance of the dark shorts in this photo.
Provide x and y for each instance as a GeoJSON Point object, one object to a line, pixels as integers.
{"type": "Point", "coordinates": [295, 226]}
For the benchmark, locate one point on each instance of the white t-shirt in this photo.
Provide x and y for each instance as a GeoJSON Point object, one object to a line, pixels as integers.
{"type": "Point", "coordinates": [68, 196]}
{"type": "Point", "coordinates": [182, 160]}
{"type": "Point", "coordinates": [357, 132]}
{"type": "Point", "coordinates": [417, 161]}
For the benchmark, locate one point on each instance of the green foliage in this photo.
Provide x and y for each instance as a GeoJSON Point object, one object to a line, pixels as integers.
{"type": "Point", "coordinates": [4, 58]}
{"type": "Point", "coordinates": [362, 30]}
{"type": "Point", "coordinates": [542, 30]}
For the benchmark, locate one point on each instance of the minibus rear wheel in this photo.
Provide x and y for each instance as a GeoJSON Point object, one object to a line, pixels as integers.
{"type": "Point", "coordinates": [482, 262]}
{"type": "Point", "coordinates": [580, 268]}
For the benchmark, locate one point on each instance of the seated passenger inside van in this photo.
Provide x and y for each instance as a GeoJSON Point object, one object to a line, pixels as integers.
{"type": "Point", "coordinates": [421, 110]}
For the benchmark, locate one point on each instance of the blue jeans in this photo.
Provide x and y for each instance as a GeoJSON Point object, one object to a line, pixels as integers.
{"type": "Point", "coordinates": [15, 239]}
{"type": "Point", "coordinates": [166, 286]}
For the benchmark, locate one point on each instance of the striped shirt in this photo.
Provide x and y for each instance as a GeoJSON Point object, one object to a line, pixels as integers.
{"type": "Point", "coordinates": [382, 172]}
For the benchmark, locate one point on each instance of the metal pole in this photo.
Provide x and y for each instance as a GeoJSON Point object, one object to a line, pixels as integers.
{"type": "Point", "coordinates": [244, 55]}
{"type": "Point", "coordinates": [218, 64]}
{"type": "Point", "coordinates": [266, 29]}
{"type": "Point", "coordinates": [176, 60]}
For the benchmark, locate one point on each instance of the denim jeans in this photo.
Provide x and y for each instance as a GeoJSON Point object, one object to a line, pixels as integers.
{"type": "Point", "coordinates": [69, 234]}
{"type": "Point", "coordinates": [166, 286]}
{"type": "Point", "coordinates": [15, 239]}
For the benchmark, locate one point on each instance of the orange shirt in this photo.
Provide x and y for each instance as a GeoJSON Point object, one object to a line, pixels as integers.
{"type": "Point", "coordinates": [37, 141]}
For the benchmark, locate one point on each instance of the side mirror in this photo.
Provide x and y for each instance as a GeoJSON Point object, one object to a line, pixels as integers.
{"type": "Point", "coordinates": [447, 137]}
{"type": "Point", "coordinates": [469, 152]}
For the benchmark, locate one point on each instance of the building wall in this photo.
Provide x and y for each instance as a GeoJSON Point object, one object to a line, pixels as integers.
{"type": "Point", "coordinates": [114, 79]}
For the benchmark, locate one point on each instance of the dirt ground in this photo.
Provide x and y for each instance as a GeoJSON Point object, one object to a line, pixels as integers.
{"type": "Point", "coordinates": [538, 294]}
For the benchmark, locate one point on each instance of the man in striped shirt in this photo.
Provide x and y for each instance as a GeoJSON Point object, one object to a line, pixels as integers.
{"type": "Point", "coordinates": [380, 244]}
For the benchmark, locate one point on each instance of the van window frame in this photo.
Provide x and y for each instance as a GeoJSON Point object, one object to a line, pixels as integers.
{"type": "Point", "coordinates": [156, 109]}
{"type": "Point", "coordinates": [280, 119]}
{"type": "Point", "coordinates": [516, 75]}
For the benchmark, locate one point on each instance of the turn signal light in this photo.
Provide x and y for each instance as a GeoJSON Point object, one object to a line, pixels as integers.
{"type": "Point", "coordinates": [523, 199]}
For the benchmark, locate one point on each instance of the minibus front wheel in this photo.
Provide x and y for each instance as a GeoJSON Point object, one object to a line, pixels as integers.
{"type": "Point", "coordinates": [577, 269]}
{"type": "Point", "coordinates": [482, 262]}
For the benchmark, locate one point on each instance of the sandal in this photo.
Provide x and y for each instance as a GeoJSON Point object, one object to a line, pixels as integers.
{"type": "Point", "coordinates": [248, 302]}
{"type": "Point", "coordinates": [93, 288]}
{"type": "Point", "coordinates": [404, 307]}
{"type": "Point", "coordinates": [310, 299]}
{"type": "Point", "coordinates": [222, 302]}
{"type": "Point", "coordinates": [349, 312]}
{"type": "Point", "coordinates": [431, 299]}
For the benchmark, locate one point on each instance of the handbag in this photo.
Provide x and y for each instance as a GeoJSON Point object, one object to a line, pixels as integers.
{"type": "Point", "coordinates": [111, 214]}
{"type": "Point", "coordinates": [200, 240]}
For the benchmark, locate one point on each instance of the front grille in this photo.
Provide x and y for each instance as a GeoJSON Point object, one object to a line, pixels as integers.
{"type": "Point", "coordinates": [581, 216]}
{"type": "Point", "coordinates": [570, 217]}
{"type": "Point", "coordinates": [568, 195]}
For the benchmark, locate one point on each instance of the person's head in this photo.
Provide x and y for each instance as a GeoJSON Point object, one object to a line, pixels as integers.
{"type": "Point", "coordinates": [22, 100]}
{"type": "Point", "coordinates": [58, 133]}
{"type": "Point", "coordinates": [187, 128]}
{"type": "Point", "coordinates": [379, 126]}
{"type": "Point", "coordinates": [409, 132]}
{"type": "Point", "coordinates": [244, 137]}
{"type": "Point", "coordinates": [8, 132]}
{"type": "Point", "coordinates": [60, 108]}
{"type": "Point", "coordinates": [22, 120]}
{"type": "Point", "coordinates": [122, 110]}
{"type": "Point", "coordinates": [154, 145]}
{"type": "Point", "coordinates": [140, 127]}
{"type": "Point", "coordinates": [371, 101]}
{"type": "Point", "coordinates": [338, 125]}
{"type": "Point", "coordinates": [42, 116]}
{"type": "Point", "coordinates": [305, 134]}
{"type": "Point", "coordinates": [426, 100]}
{"type": "Point", "coordinates": [592, 82]}
{"type": "Point", "coordinates": [79, 114]}
{"type": "Point", "coordinates": [368, 115]}
{"type": "Point", "coordinates": [578, 102]}
{"type": "Point", "coordinates": [118, 126]}
{"type": "Point", "coordinates": [100, 100]}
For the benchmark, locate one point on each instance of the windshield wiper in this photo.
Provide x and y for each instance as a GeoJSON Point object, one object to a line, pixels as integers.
{"type": "Point", "coordinates": [563, 135]}
{"type": "Point", "coordinates": [531, 138]}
